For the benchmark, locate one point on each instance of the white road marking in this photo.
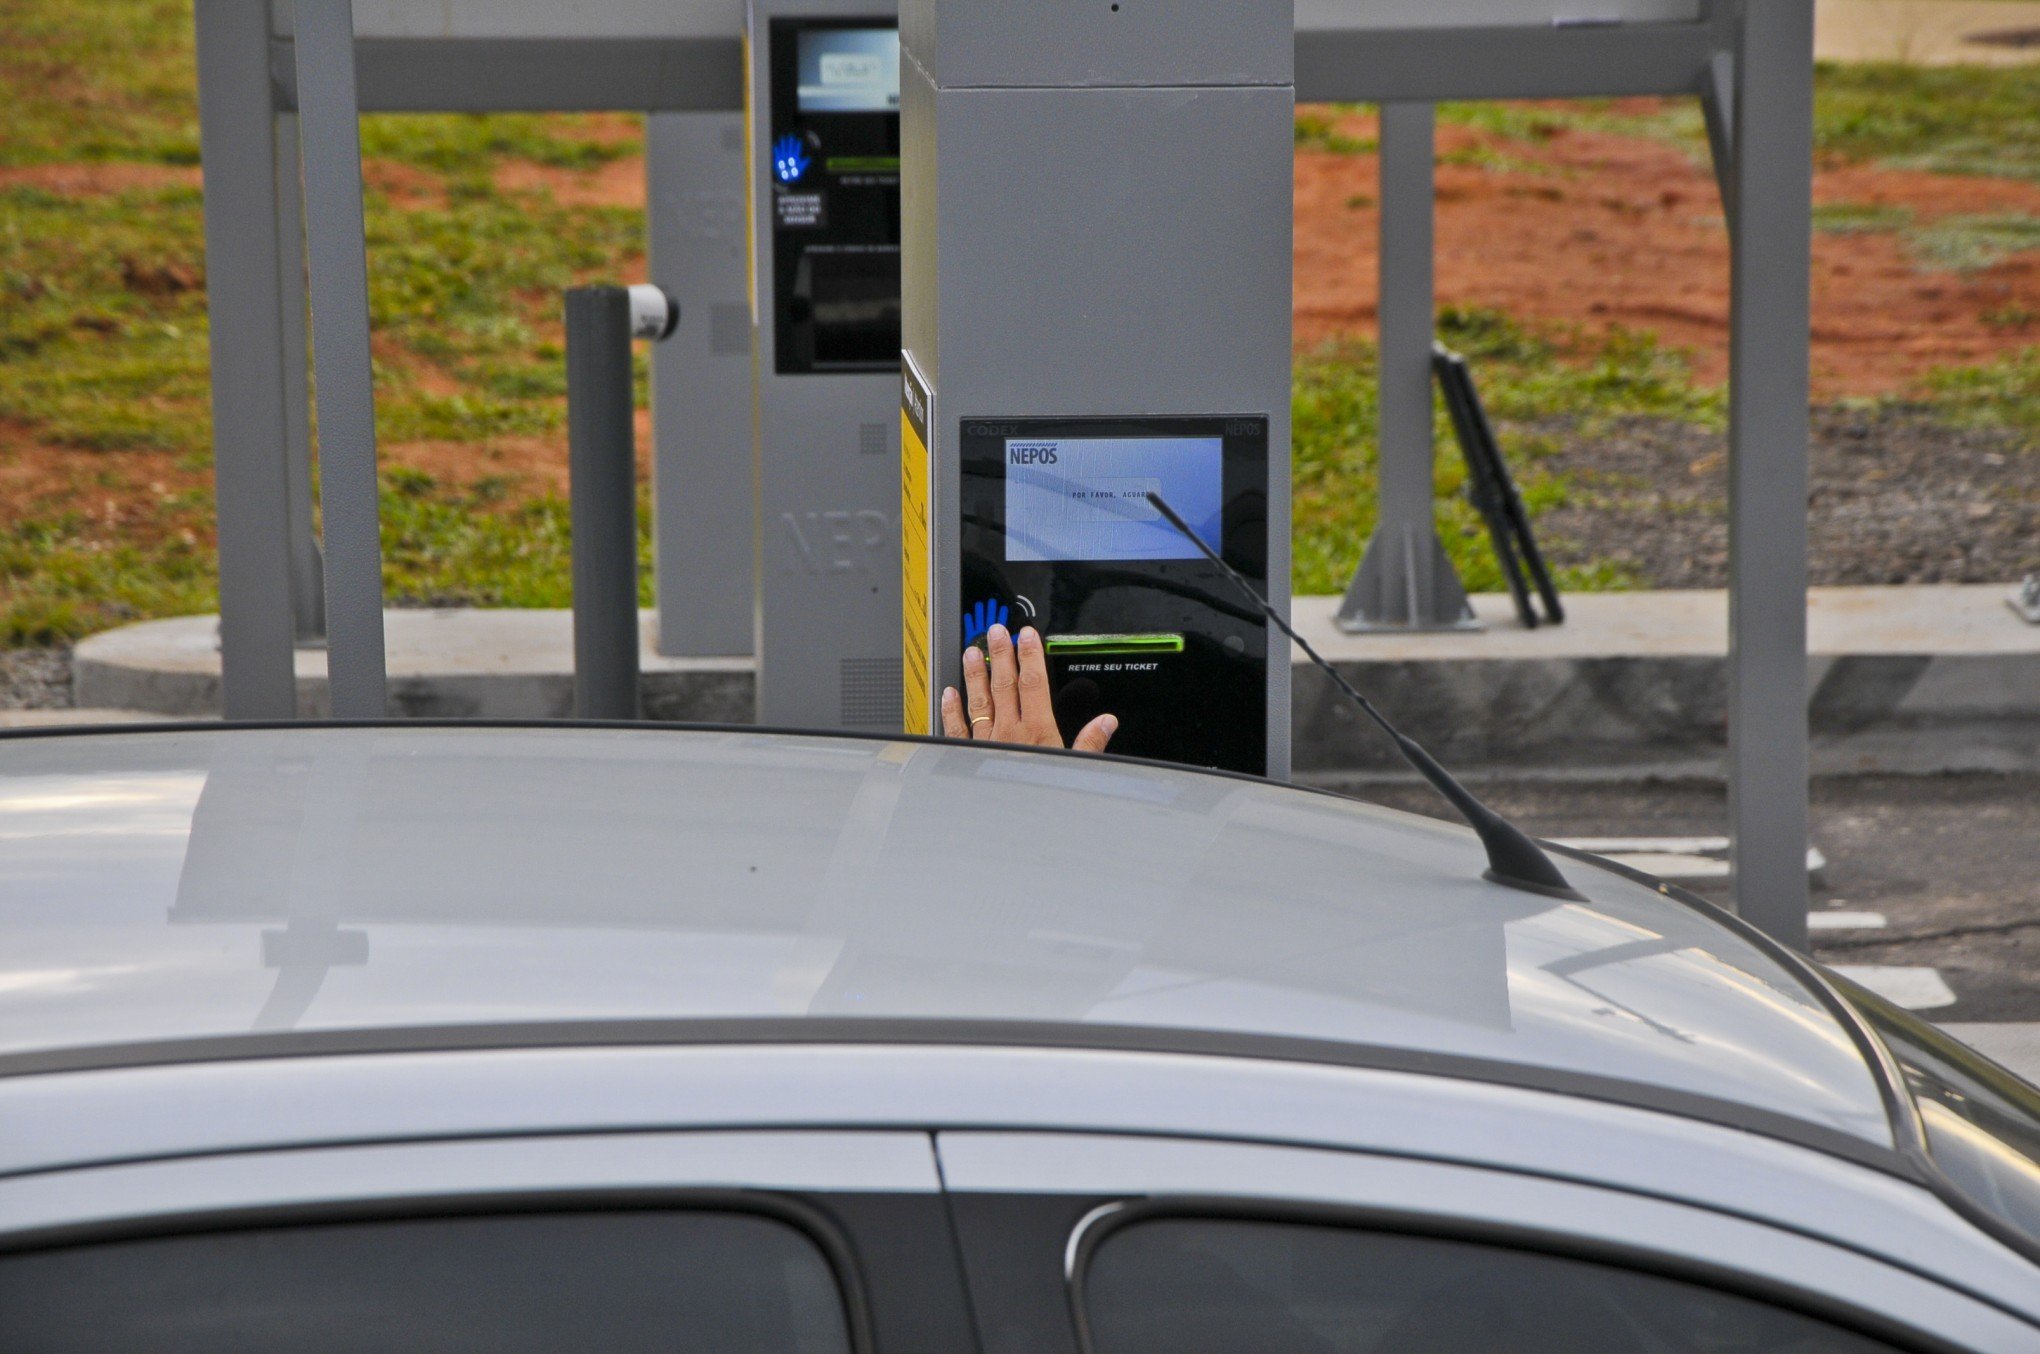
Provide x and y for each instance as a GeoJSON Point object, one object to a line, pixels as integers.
{"type": "Point", "coordinates": [1846, 921]}
{"type": "Point", "coordinates": [1678, 859]}
{"type": "Point", "coordinates": [1666, 865]}
{"type": "Point", "coordinates": [1616, 846]}
{"type": "Point", "coordinates": [2013, 1044]}
{"type": "Point", "coordinates": [1915, 988]}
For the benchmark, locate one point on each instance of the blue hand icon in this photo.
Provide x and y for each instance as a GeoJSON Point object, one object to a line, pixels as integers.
{"type": "Point", "coordinates": [790, 159]}
{"type": "Point", "coordinates": [978, 621]}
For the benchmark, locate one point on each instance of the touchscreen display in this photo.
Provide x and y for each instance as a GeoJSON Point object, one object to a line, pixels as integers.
{"type": "Point", "coordinates": [1085, 498]}
{"type": "Point", "coordinates": [849, 70]}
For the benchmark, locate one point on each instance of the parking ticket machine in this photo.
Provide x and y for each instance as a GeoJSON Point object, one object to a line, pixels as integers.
{"type": "Point", "coordinates": [1057, 532]}
{"type": "Point", "coordinates": [823, 117]}
{"type": "Point", "coordinates": [1097, 282]}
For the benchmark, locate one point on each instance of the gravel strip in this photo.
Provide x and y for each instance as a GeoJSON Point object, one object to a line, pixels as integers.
{"type": "Point", "coordinates": [1896, 497]}
{"type": "Point", "coordinates": [35, 679]}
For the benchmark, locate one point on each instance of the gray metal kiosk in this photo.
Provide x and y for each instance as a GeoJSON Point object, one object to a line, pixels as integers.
{"type": "Point", "coordinates": [1098, 238]}
{"type": "Point", "coordinates": [701, 384]}
{"type": "Point", "coordinates": [825, 174]}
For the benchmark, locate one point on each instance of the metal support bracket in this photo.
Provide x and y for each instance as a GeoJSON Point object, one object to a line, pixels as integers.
{"type": "Point", "coordinates": [1405, 580]}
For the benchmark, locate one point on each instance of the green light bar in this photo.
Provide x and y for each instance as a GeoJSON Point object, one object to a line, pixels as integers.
{"type": "Point", "coordinates": [1101, 646]}
{"type": "Point", "coordinates": [863, 164]}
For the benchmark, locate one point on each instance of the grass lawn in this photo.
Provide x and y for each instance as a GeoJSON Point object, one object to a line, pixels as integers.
{"type": "Point", "coordinates": [106, 510]}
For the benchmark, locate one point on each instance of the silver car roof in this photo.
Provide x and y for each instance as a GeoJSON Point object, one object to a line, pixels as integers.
{"type": "Point", "coordinates": [208, 893]}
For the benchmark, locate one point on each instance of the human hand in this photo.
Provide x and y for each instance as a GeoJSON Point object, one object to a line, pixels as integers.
{"type": "Point", "coordinates": [1008, 699]}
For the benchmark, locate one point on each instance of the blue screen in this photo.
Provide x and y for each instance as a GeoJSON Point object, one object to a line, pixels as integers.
{"type": "Point", "coordinates": [849, 70]}
{"type": "Point", "coordinates": [1085, 498]}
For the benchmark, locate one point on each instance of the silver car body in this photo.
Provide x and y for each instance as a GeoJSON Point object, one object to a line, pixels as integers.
{"type": "Point", "coordinates": [260, 969]}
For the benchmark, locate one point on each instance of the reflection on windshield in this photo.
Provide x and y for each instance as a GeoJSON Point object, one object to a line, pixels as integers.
{"type": "Point", "coordinates": [1982, 1122]}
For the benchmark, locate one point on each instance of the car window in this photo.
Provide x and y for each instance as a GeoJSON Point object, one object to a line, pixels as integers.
{"type": "Point", "coordinates": [1218, 1285]}
{"type": "Point", "coordinates": [1982, 1122]}
{"type": "Point", "coordinates": [619, 1282]}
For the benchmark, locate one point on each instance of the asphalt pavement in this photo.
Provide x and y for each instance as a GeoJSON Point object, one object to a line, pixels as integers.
{"type": "Point", "coordinates": [1949, 864]}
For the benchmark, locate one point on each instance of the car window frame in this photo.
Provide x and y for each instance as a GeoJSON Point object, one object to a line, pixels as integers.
{"type": "Point", "coordinates": [1106, 1222]}
{"type": "Point", "coordinates": [1890, 1025]}
{"type": "Point", "coordinates": [810, 1223]}
{"type": "Point", "coordinates": [1130, 1176]}
{"type": "Point", "coordinates": [836, 1187]}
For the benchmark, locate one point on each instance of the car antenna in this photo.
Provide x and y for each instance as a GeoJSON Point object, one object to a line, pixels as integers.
{"type": "Point", "coordinates": [1513, 858]}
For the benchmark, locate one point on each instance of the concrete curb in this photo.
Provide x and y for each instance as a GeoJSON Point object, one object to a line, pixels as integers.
{"type": "Point", "coordinates": [1911, 680]}
{"type": "Point", "coordinates": [443, 664]}
{"type": "Point", "coordinates": [1917, 680]}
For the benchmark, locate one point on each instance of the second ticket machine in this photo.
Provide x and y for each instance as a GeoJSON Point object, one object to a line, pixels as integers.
{"type": "Point", "coordinates": [823, 116]}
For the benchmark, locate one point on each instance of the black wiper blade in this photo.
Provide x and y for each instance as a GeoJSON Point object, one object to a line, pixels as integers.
{"type": "Point", "coordinates": [1513, 858]}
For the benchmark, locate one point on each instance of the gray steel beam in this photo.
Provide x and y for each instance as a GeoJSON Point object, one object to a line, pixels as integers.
{"type": "Point", "coordinates": [245, 258]}
{"type": "Point", "coordinates": [307, 564]}
{"type": "Point", "coordinates": [1406, 311]}
{"type": "Point", "coordinates": [704, 74]}
{"type": "Point", "coordinates": [1370, 65]}
{"type": "Point", "coordinates": [329, 134]}
{"type": "Point", "coordinates": [1717, 106]}
{"type": "Point", "coordinates": [512, 62]}
{"type": "Point", "coordinates": [539, 75]}
{"type": "Point", "coordinates": [1768, 428]}
{"type": "Point", "coordinates": [634, 19]}
{"type": "Point", "coordinates": [1405, 581]}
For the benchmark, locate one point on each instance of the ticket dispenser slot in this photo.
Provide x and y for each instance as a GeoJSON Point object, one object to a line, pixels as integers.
{"type": "Point", "coordinates": [1058, 533]}
{"type": "Point", "coordinates": [835, 174]}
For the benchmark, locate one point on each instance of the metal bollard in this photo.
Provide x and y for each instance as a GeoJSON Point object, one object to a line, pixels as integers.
{"type": "Point", "coordinates": [602, 478]}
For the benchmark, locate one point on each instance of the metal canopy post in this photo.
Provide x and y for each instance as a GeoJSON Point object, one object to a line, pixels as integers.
{"type": "Point", "coordinates": [1405, 581]}
{"type": "Point", "coordinates": [246, 257]}
{"type": "Point", "coordinates": [307, 564]}
{"type": "Point", "coordinates": [1771, 215]}
{"type": "Point", "coordinates": [330, 139]}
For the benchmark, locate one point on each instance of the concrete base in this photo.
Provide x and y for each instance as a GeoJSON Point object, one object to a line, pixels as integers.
{"type": "Point", "coordinates": [1904, 679]}
{"type": "Point", "coordinates": [76, 717]}
{"type": "Point", "coordinates": [1918, 679]}
{"type": "Point", "coordinates": [443, 664]}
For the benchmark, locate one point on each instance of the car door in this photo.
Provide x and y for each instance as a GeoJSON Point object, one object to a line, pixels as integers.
{"type": "Point", "coordinates": [731, 1242]}
{"type": "Point", "coordinates": [1133, 1245]}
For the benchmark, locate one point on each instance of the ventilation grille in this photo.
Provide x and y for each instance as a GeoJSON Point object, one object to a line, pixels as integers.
{"type": "Point", "coordinates": [729, 328]}
{"type": "Point", "coordinates": [872, 693]}
{"type": "Point", "coordinates": [872, 440]}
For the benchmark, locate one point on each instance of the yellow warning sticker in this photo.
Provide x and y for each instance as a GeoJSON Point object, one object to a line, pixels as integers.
{"type": "Point", "coordinates": [917, 403]}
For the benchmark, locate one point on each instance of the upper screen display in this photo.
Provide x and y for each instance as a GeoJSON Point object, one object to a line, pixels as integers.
{"type": "Point", "coordinates": [1085, 498]}
{"type": "Point", "coordinates": [849, 70]}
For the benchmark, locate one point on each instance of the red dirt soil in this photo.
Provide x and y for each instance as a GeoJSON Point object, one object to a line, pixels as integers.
{"type": "Point", "coordinates": [124, 495]}
{"type": "Point", "coordinates": [1598, 230]}
{"type": "Point", "coordinates": [1619, 230]}
{"type": "Point", "coordinates": [535, 465]}
{"type": "Point", "coordinates": [1582, 228]}
{"type": "Point", "coordinates": [619, 183]}
{"type": "Point", "coordinates": [89, 180]}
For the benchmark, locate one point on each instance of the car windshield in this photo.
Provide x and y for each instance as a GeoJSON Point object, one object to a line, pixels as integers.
{"type": "Point", "coordinates": [1982, 1122]}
